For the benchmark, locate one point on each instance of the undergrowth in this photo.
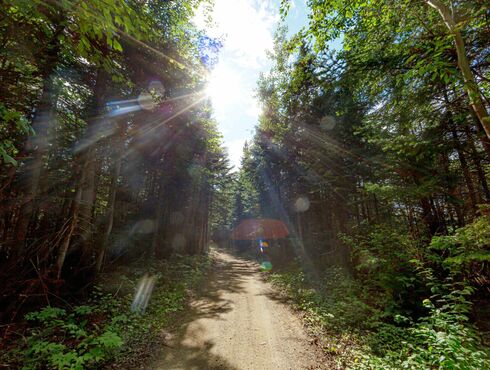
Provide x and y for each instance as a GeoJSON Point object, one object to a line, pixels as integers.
{"type": "Point", "coordinates": [420, 321]}
{"type": "Point", "coordinates": [359, 336]}
{"type": "Point", "coordinates": [103, 332]}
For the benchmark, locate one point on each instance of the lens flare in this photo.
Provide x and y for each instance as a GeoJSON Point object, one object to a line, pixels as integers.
{"type": "Point", "coordinates": [328, 123]}
{"type": "Point", "coordinates": [302, 204]}
{"type": "Point", "coordinates": [146, 101]}
{"type": "Point", "coordinates": [143, 293]}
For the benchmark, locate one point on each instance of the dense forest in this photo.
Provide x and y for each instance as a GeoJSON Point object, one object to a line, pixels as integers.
{"type": "Point", "coordinates": [376, 154]}
{"type": "Point", "coordinates": [373, 147]}
{"type": "Point", "coordinates": [106, 135]}
{"type": "Point", "coordinates": [108, 150]}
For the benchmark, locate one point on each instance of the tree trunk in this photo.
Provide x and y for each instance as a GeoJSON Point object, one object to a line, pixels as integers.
{"type": "Point", "coordinates": [477, 161]}
{"type": "Point", "coordinates": [471, 86]}
{"type": "Point", "coordinates": [37, 145]}
{"type": "Point", "coordinates": [482, 137]}
{"type": "Point", "coordinates": [466, 171]}
{"type": "Point", "coordinates": [110, 217]}
{"type": "Point", "coordinates": [111, 201]}
{"type": "Point", "coordinates": [428, 217]}
{"type": "Point", "coordinates": [65, 245]}
{"type": "Point", "coordinates": [88, 199]}
{"type": "Point", "coordinates": [158, 222]}
{"type": "Point", "coordinates": [452, 191]}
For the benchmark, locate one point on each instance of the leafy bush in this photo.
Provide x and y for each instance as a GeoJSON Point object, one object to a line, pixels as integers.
{"type": "Point", "coordinates": [104, 329]}
{"type": "Point", "coordinates": [67, 340]}
{"type": "Point", "coordinates": [444, 340]}
{"type": "Point", "coordinates": [12, 125]}
{"type": "Point", "coordinates": [361, 337]}
{"type": "Point", "coordinates": [381, 257]}
{"type": "Point", "coordinates": [466, 251]}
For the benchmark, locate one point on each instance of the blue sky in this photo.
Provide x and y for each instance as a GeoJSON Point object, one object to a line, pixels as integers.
{"type": "Point", "coordinates": [247, 27]}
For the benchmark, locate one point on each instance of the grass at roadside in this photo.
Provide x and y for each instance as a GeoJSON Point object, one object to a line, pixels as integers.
{"type": "Point", "coordinates": [103, 332]}
{"type": "Point", "coordinates": [356, 334]}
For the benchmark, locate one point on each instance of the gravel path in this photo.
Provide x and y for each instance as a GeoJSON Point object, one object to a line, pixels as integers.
{"type": "Point", "coordinates": [237, 322]}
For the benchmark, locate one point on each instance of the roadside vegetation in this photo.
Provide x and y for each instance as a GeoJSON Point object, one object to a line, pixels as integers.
{"type": "Point", "coordinates": [109, 161]}
{"type": "Point", "coordinates": [103, 331]}
{"type": "Point", "coordinates": [363, 321]}
{"type": "Point", "coordinates": [372, 148]}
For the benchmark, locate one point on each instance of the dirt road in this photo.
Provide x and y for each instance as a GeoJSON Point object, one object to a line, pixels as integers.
{"type": "Point", "coordinates": [237, 322]}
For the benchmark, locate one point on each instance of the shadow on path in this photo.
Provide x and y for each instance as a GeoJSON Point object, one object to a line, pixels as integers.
{"type": "Point", "coordinates": [178, 352]}
{"type": "Point", "coordinates": [235, 322]}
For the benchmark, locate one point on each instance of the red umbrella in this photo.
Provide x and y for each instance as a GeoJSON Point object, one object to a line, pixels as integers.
{"type": "Point", "coordinates": [264, 228]}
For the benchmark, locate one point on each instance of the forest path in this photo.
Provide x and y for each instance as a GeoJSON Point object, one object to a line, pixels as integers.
{"type": "Point", "coordinates": [237, 322]}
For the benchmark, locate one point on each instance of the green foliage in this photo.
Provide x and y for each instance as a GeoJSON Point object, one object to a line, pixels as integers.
{"type": "Point", "coordinates": [336, 306]}
{"type": "Point", "coordinates": [381, 257]}
{"type": "Point", "coordinates": [175, 277]}
{"type": "Point", "coordinates": [13, 126]}
{"type": "Point", "coordinates": [442, 339]}
{"type": "Point", "coordinates": [104, 329]}
{"type": "Point", "coordinates": [467, 250]}
{"type": "Point", "coordinates": [65, 340]}
{"type": "Point", "coordinates": [366, 114]}
{"type": "Point", "coordinates": [97, 81]}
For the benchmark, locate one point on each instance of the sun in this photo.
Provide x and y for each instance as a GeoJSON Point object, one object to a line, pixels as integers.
{"type": "Point", "coordinates": [223, 86]}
